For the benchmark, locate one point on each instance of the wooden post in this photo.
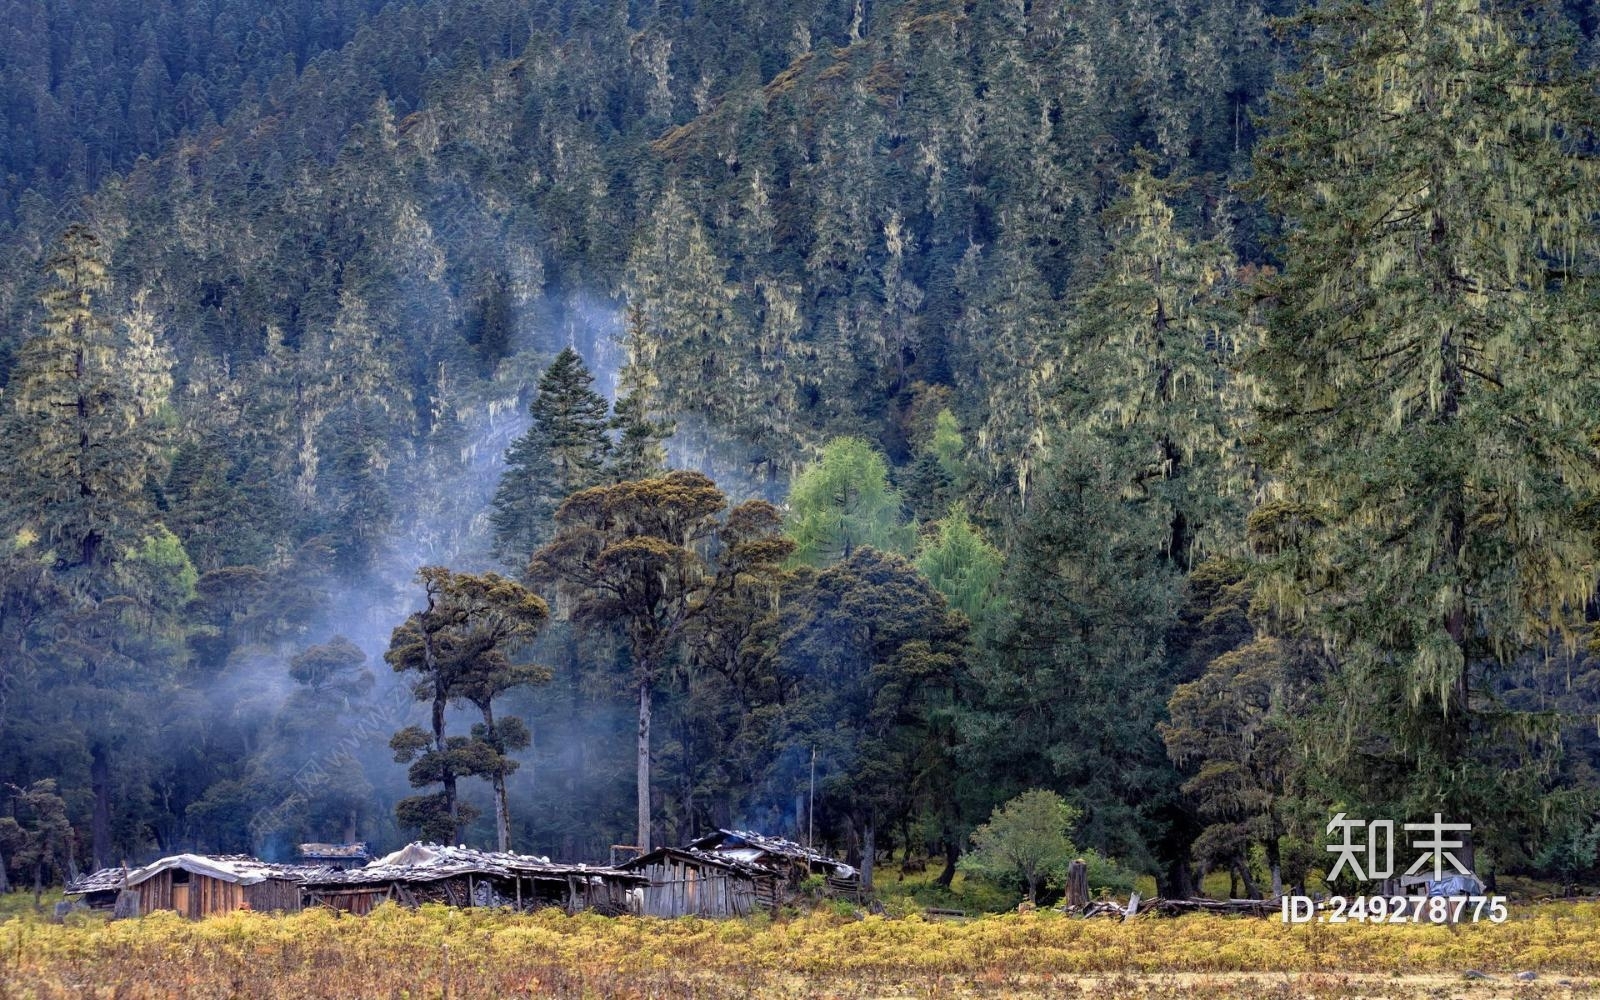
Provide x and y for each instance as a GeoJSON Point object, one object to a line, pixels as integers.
{"type": "Point", "coordinates": [1077, 885]}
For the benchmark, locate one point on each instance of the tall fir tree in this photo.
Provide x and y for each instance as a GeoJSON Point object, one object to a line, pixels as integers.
{"type": "Point", "coordinates": [83, 437]}
{"type": "Point", "coordinates": [1428, 402]}
{"type": "Point", "coordinates": [640, 451]}
{"type": "Point", "coordinates": [1146, 369]}
{"type": "Point", "coordinates": [563, 451]}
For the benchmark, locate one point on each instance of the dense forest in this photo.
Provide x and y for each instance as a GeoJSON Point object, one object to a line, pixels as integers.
{"type": "Point", "coordinates": [562, 423]}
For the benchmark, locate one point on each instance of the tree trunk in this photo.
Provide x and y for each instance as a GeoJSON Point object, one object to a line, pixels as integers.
{"type": "Point", "coordinates": [1275, 865]}
{"type": "Point", "coordinates": [1033, 890]}
{"type": "Point", "coordinates": [644, 766]}
{"type": "Point", "coordinates": [952, 854]}
{"type": "Point", "coordinates": [578, 772]}
{"type": "Point", "coordinates": [502, 809]}
{"type": "Point", "coordinates": [869, 853]}
{"type": "Point", "coordinates": [38, 882]}
{"type": "Point", "coordinates": [448, 778]}
{"type": "Point", "coordinates": [100, 825]}
{"type": "Point", "coordinates": [5, 883]}
{"type": "Point", "coordinates": [1243, 867]}
{"type": "Point", "coordinates": [1078, 884]}
{"type": "Point", "coordinates": [441, 696]}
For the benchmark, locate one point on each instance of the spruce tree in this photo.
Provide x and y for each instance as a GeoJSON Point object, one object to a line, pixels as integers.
{"type": "Point", "coordinates": [1429, 402]}
{"type": "Point", "coordinates": [562, 452]}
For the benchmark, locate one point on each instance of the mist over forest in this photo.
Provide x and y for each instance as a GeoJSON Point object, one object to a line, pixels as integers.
{"type": "Point", "coordinates": [555, 425]}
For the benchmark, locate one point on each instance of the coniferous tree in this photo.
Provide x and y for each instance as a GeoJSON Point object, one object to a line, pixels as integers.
{"type": "Point", "coordinates": [960, 563]}
{"type": "Point", "coordinates": [1082, 611]}
{"type": "Point", "coordinates": [563, 451]}
{"type": "Point", "coordinates": [874, 654]}
{"type": "Point", "coordinates": [844, 501]}
{"type": "Point", "coordinates": [1147, 369]}
{"type": "Point", "coordinates": [83, 440]}
{"type": "Point", "coordinates": [1428, 412]}
{"type": "Point", "coordinates": [1233, 729]}
{"type": "Point", "coordinates": [640, 451]}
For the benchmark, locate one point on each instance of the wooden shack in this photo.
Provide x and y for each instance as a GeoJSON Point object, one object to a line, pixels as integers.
{"type": "Point", "coordinates": [791, 862]}
{"type": "Point", "coordinates": [195, 885]}
{"type": "Point", "coordinates": [686, 882]}
{"type": "Point", "coordinates": [461, 876]}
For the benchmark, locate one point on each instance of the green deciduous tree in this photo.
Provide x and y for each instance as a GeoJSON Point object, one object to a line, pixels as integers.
{"type": "Point", "coordinates": [1428, 408]}
{"type": "Point", "coordinates": [844, 501]}
{"type": "Point", "coordinates": [1026, 837]}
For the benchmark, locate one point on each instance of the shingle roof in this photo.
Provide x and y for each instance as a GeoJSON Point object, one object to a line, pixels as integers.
{"type": "Point", "coordinates": [715, 859]}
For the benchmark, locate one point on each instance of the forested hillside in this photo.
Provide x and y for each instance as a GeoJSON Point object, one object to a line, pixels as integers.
{"type": "Point", "coordinates": [563, 424]}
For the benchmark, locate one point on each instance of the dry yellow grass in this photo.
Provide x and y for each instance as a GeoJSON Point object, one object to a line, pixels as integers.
{"type": "Point", "coordinates": [438, 952]}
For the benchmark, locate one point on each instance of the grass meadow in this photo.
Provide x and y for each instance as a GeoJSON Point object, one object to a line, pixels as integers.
{"type": "Point", "coordinates": [437, 952]}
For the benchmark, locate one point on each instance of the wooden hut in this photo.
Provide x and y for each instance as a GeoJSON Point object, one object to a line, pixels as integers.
{"type": "Point", "coordinates": [686, 882]}
{"type": "Point", "coordinates": [196, 885]}
{"type": "Point", "coordinates": [460, 876]}
{"type": "Point", "coordinates": [789, 860]}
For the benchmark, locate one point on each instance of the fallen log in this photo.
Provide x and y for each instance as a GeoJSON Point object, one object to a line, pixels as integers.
{"type": "Point", "coordinates": [1176, 907]}
{"type": "Point", "coordinates": [1226, 907]}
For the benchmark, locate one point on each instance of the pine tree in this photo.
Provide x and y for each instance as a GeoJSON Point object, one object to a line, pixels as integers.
{"type": "Point", "coordinates": [563, 451]}
{"type": "Point", "coordinates": [1429, 406]}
